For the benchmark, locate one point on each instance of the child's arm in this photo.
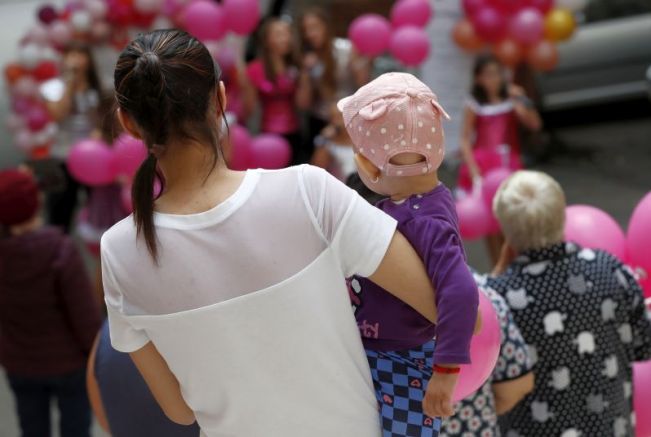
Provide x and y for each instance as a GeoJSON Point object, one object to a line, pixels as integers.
{"type": "Point", "coordinates": [457, 303]}
{"type": "Point", "coordinates": [524, 109]}
{"type": "Point", "coordinates": [76, 291]}
{"type": "Point", "coordinates": [467, 132]}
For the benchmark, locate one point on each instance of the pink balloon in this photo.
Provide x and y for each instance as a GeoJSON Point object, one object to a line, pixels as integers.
{"type": "Point", "coordinates": [593, 228]}
{"type": "Point", "coordinates": [411, 13]}
{"type": "Point", "coordinates": [370, 33]}
{"type": "Point", "coordinates": [638, 240]}
{"type": "Point", "coordinates": [38, 35]}
{"type": "Point", "coordinates": [91, 162]}
{"type": "Point", "coordinates": [484, 351]}
{"type": "Point", "coordinates": [410, 45]}
{"type": "Point", "coordinates": [25, 87]}
{"type": "Point", "coordinates": [642, 398]}
{"type": "Point", "coordinates": [129, 153]}
{"type": "Point", "coordinates": [60, 33]}
{"type": "Point", "coordinates": [96, 8]}
{"type": "Point", "coordinates": [543, 6]}
{"type": "Point", "coordinates": [491, 183]}
{"type": "Point", "coordinates": [37, 118]}
{"type": "Point", "coordinates": [242, 16]}
{"type": "Point", "coordinates": [527, 26]}
{"type": "Point", "coordinates": [240, 152]}
{"type": "Point", "coordinates": [22, 105]}
{"type": "Point", "coordinates": [173, 7]}
{"type": "Point", "coordinates": [473, 217]}
{"type": "Point", "coordinates": [489, 24]}
{"type": "Point", "coordinates": [472, 6]}
{"type": "Point", "coordinates": [205, 20]}
{"type": "Point", "coordinates": [270, 151]}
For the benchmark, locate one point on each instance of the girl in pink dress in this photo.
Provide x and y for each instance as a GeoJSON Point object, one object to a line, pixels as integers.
{"type": "Point", "coordinates": [273, 78]}
{"type": "Point", "coordinates": [490, 137]}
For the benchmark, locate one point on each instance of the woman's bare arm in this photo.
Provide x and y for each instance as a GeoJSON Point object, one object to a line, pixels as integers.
{"type": "Point", "coordinates": [93, 389]}
{"type": "Point", "coordinates": [467, 132]}
{"type": "Point", "coordinates": [163, 384]}
{"type": "Point", "coordinates": [509, 393]}
{"type": "Point", "coordinates": [403, 274]}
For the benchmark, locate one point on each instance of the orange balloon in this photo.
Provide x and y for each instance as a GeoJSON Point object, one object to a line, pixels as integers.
{"type": "Point", "coordinates": [543, 56]}
{"type": "Point", "coordinates": [559, 25]}
{"type": "Point", "coordinates": [464, 35]}
{"type": "Point", "coordinates": [13, 72]}
{"type": "Point", "coordinates": [508, 52]}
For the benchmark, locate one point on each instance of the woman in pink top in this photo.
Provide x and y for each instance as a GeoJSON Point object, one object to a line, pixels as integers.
{"type": "Point", "coordinates": [273, 77]}
{"type": "Point", "coordinates": [490, 137]}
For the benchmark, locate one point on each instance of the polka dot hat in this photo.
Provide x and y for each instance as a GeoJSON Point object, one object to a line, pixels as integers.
{"type": "Point", "coordinates": [396, 113]}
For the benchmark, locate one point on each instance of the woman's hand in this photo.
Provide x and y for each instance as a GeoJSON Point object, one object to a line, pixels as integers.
{"type": "Point", "coordinates": [310, 60]}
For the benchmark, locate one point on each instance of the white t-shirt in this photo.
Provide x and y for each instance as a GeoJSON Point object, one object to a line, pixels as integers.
{"type": "Point", "coordinates": [249, 307]}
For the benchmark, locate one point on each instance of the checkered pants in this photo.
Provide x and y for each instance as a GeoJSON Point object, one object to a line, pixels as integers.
{"type": "Point", "coordinates": [400, 379]}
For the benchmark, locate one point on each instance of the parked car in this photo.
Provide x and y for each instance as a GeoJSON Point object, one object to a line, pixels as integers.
{"type": "Point", "coordinates": [606, 61]}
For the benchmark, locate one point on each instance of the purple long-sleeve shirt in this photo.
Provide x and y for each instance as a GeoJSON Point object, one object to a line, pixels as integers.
{"type": "Point", "coordinates": [430, 223]}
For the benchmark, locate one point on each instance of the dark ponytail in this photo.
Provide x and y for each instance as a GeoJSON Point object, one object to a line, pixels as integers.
{"type": "Point", "coordinates": [165, 81]}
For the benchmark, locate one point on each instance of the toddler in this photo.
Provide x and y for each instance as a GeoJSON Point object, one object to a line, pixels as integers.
{"type": "Point", "coordinates": [395, 125]}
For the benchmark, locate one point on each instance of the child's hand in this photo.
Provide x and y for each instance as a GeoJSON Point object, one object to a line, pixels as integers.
{"type": "Point", "coordinates": [438, 398]}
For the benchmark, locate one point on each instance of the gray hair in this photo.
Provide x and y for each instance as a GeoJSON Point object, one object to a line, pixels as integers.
{"type": "Point", "coordinates": [530, 207]}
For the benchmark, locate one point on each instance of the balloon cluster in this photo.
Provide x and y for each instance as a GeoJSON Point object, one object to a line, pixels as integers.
{"type": "Point", "coordinates": [586, 225]}
{"type": "Point", "coordinates": [98, 23]}
{"type": "Point", "coordinates": [404, 36]}
{"type": "Point", "coordinates": [266, 151]}
{"type": "Point", "coordinates": [518, 31]}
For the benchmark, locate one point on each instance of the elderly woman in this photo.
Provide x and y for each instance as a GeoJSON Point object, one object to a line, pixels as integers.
{"type": "Point", "coordinates": [580, 311]}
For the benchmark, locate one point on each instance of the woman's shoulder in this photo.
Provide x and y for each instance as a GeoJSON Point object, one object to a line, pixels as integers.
{"type": "Point", "coordinates": [120, 235]}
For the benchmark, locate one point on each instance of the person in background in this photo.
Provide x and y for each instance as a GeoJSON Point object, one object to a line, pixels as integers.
{"type": "Point", "coordinates": [48, 314]}
{"type": "Point", "coordinates": [580, 311]}
{"type": "Point", "coordinates": [76, 111]}
{"type": "Point", "coordinates": [334, 148]}
{"type": "Point", "coordinates": [490, 137]}
{"type": "Point", "coordinates": [509, 383]}
{"type": "Point", "coordinates": [330, 70]}
{"type": "Point", "coordinates": [120, 398]}
{"type": "Point", "coordinates": [273, 80]}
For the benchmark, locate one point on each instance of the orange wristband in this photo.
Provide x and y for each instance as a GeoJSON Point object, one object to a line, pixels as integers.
{"type": "Point", "coordinates": [446, 370]}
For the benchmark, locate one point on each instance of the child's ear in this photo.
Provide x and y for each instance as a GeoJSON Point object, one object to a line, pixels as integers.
{"type": "Point", "coordinates": [128, 124]}
{"type": "Point", "coordinates": [367, 168]}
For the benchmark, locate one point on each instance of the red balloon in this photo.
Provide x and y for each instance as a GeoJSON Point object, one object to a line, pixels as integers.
{"type": "Point", "coordinates": [543, 56]}
{"type": "Point", "coordinates": [46, 70]}
{"type": "Point", "coordinates": [507, 7]}
{"type": "Point", "coordinates": [472, 6]}
{"type": "Point", "coordinates": [47, 14]}
{"type": "Point", "coordinates": [508, 52]}
{"type": "Point", "coordinates": [489, 23]}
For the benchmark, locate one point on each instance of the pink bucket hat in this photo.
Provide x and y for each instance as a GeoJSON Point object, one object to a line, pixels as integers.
{"type": "Point", "coordinates": [396, 113]}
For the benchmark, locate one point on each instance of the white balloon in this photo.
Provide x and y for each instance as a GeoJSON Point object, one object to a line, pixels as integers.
{"type": "Point", "coordinates": [49, 54]}
{"type": "Point", "coordinates": [572, 5]}
{"type": "Point", "coordinates": [81, 21]}
{"type": "Point", "coordinates": [30, 55]}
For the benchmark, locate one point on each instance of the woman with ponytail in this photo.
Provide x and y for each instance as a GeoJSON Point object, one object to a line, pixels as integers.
{"type": "Point", "coordinates": [228, 288]}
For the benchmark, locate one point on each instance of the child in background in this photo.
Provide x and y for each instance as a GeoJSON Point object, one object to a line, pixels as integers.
{"type": "Point", "coordinates": [334, 148]}
{"type": "Point", "coordinates": [490, 136]}
{"type": "Point", "coordinates": [48, 315]}
{"type": "Point", "coordinates": [395, 124]}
